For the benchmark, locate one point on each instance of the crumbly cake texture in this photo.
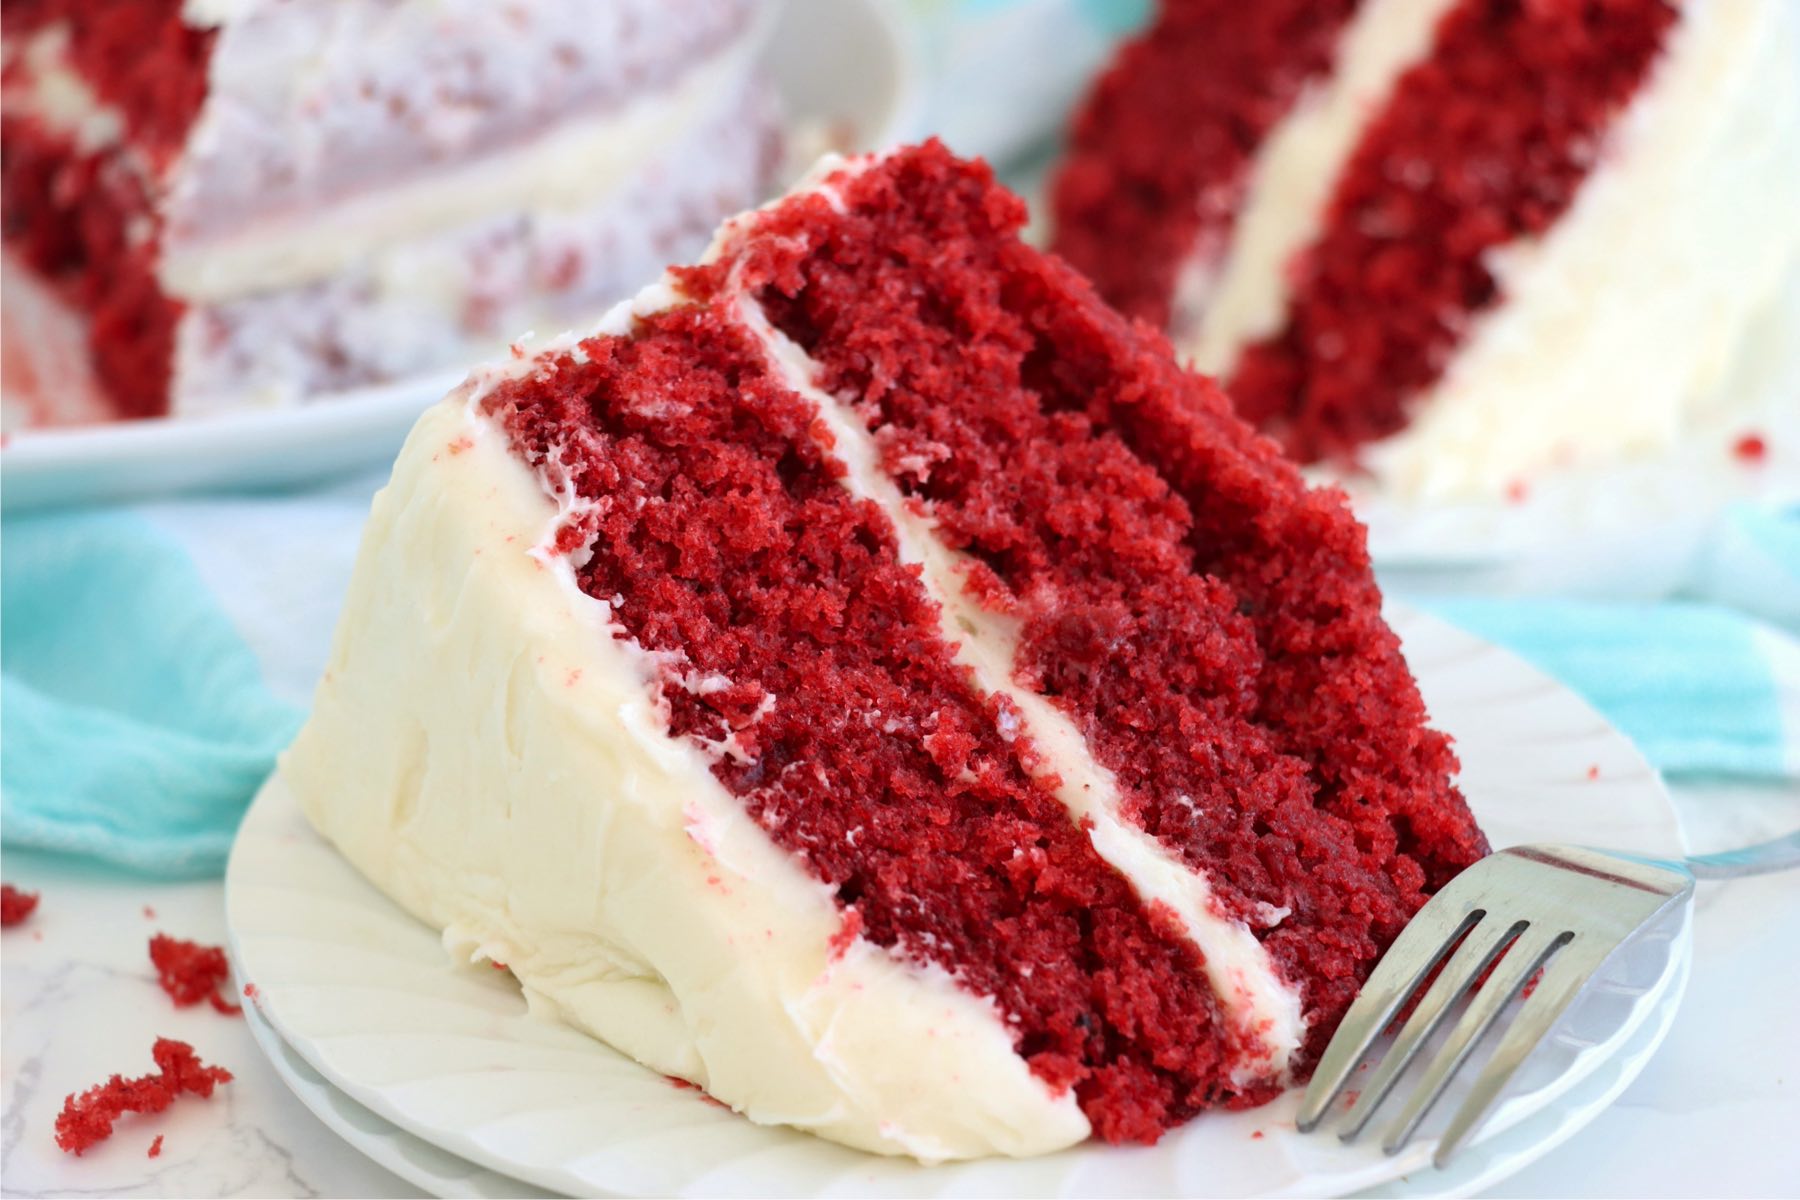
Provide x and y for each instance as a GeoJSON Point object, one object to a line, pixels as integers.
{"type": "Point", "coordinates": [1207, 623]}
{"type": "Point", "coordinates": [1442, 208]}
{"type": "Point", "coordinates": [181, 176]}
{"type": "Point", "coordinates": [190, 972]}
{"type": "Point", "coordinates": [87, 1119]}
{"type": "Point", "coordinates": [16, 906]}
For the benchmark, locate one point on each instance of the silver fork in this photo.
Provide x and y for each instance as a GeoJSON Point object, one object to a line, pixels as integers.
{"type": "Point", "coordinates": [1561, 909]}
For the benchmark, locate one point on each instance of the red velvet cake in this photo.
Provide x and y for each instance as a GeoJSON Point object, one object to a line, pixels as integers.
{"type": "Point", "coordinates": [248, 203]}
{"type": "Point", "coordinates": [1418, 236]}
{"type": "Point", "coordinates": [870, 679]}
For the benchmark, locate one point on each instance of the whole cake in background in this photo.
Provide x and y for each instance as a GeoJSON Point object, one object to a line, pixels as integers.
{"type": "Point", "coordinates": [869, 678]}
{"type": "Point", "coordinates": [248, 203]}
{"type": "Point", "coordinates": [1451, 243]}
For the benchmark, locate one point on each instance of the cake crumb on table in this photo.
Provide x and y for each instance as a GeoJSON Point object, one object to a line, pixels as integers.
{"type": "Point", "coordinates": [15, 905]}
{"type": "Point", "coordinates": [190, 972]}
{"type": "Point", "coordinates": [87, 1118]}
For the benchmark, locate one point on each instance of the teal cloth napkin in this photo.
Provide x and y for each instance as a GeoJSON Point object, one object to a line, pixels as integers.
{"type": "Point", "coordinates": [156, 659]}
{"type": "Point", "coordinates": [153, 661]}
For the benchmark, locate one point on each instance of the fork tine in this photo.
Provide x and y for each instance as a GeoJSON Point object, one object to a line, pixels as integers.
{"type": "Point", "coordinates": [1527, 955]}
{"type": "Point", "coordinates": [1562, 982]}
{"type": "Point", "coordinates": [1420, 947]}
{"type": "Point", "coordinates": [1477, 952]}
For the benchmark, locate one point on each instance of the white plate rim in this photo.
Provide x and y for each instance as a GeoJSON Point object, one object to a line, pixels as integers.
{"type": "Point", "coordinates": [437, 1171]}
{"type": "Point", "coordinates": [426, 1166]}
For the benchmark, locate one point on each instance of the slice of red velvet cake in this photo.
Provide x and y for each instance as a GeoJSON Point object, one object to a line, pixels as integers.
{"type": "Point", "coordinates": [250, 203]}
{"type": "Point", "coordinates": [1451, 242]}
{"type": "Point", "coordinates": [868, 678]}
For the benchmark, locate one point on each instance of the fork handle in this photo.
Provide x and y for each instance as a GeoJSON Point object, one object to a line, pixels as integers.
{"type": "Point", "coordinates": [1777, 854]}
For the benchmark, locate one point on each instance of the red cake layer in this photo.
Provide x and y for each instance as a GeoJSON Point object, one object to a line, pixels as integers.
{"type": "Point", "coordinates": [1159, 153]}
{"type": "Point", "coordinates": [1212, 626]}
{"type": "Point", "coordinates": [87, 221]}
{"type": "Point", "coordinates": [1484, 143]}
{"type": "Point", "coordinates": [809, 660]}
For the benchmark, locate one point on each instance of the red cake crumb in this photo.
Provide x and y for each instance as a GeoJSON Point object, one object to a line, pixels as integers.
{"type": "Point", "coordinates": [190, 972]}
{"type": "Point", "coordinates": [1593, 772]}
{"type": "Point", "coordinates": [849, 929]}
{"type": "Point", "coordinates": [156, 1147]}
{"type": "Point", "coordinates": [1134, 200]}
{"type": "Point", "coordinates": [1517, 491]}
{"type": "Point", "coordinates": [15, 905]}
{"type": "Point", "coordinates": [705, 1095]}
{"type": "Point", "coordinates": [149, 913]}
{"type": "Point", "coordinates": [1256, 1135]}
{"type": "Point", "coordinates": [1751, 448]}
{"type": "Point", "coordinates": [1504, 117]}
{"type": "Point", "coordinates": [1531, 985]}
{"type": "Point", "coordinates": [87, 1119]}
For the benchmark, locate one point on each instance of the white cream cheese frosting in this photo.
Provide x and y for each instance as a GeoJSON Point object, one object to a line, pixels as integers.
{"type": "Point", "coordinates": [573, 167]}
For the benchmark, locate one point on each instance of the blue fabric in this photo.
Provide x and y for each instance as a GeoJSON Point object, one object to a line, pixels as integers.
{"type": "Point", "coordinates": [1688, 682]}
{"type": "Point", "coordinates": [138, 721]}
{"type": "Point", "coordinates": [1697, 681]}
{"type": "Point", "coordinates": [137, 725]}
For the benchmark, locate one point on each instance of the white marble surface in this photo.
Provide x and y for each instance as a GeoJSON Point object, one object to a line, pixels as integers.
{"type": "Point", "coordinates": [1713, 1115]}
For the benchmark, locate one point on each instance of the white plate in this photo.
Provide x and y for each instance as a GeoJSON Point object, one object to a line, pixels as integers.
{"type": "Point", "coordinates": [840, 65]}
{"type": "Point", "coordinates": [415, 1160]}
{"type": "Point", "coordinates": [367, 997]}
{"type": "Point", "coordinates": [437, 1171]}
